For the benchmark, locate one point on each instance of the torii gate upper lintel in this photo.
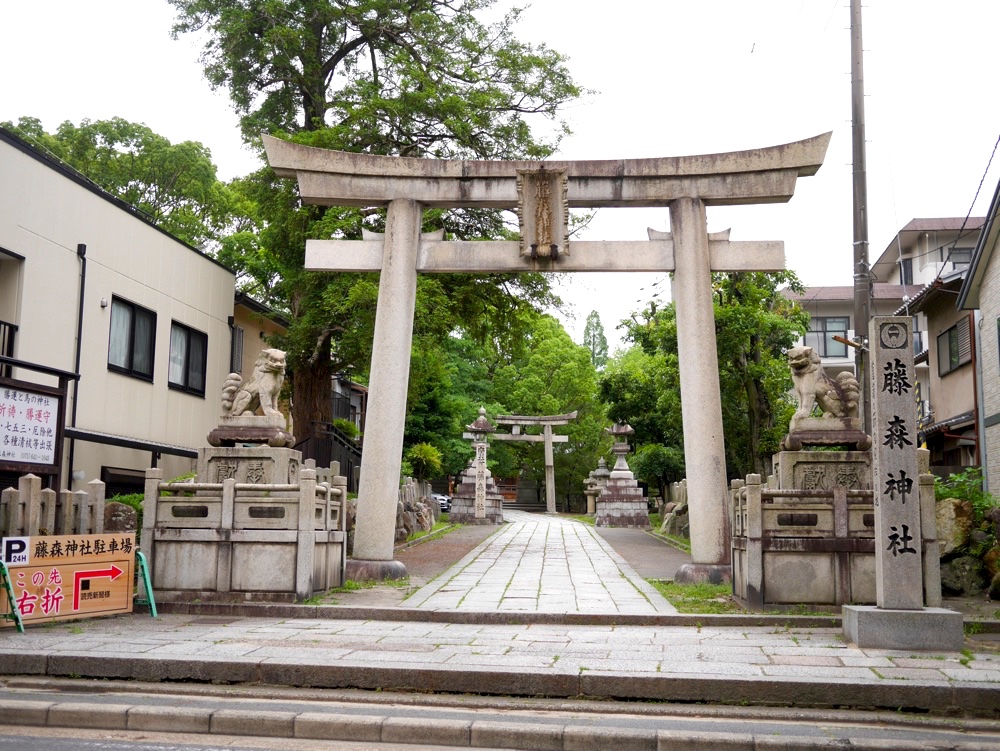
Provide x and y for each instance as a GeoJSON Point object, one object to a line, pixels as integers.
{"type": "Point", "coordinates": [685, 184]}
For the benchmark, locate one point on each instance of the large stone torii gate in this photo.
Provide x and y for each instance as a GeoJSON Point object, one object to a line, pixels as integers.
{"type": "Point", "coordinates": [542, 192]}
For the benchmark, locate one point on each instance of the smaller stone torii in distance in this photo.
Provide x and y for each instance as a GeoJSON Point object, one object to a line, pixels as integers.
{"type": "Point", "coordinates": [542, 193]}
{"type": "Point", "coordinates": [547, 437]}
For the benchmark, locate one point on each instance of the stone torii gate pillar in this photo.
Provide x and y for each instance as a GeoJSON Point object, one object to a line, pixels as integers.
{"type": "Point", "coordinates": [543, 193]}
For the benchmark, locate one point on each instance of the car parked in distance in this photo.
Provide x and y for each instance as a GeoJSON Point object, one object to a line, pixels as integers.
{"type": "Point", "coordinates": [444, 501]}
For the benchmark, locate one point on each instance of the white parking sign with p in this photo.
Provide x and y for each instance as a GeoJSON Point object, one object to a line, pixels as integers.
{"type": "Point", "coordinates": [15, 551]}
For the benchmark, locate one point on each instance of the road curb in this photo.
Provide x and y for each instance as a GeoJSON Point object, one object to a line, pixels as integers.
{"type": "Point", "coordinates": [463, 734]}
{"type": "Point", "coordinates": [973, 698]}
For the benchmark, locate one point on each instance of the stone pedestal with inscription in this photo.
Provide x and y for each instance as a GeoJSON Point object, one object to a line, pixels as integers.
{"type": "Point", "coordinates": [621, 502]}
{"type": "Point", "coordinates": [902, 537]}
{"type": "Point", "coordinates": [823, 470]}
{"type": "Point", "coordinates": [463, 500]}
{"type": "Point", "coordinates": [249, 465]}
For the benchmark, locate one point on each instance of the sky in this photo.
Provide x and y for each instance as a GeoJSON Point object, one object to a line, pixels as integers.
{"type": "Point", "coordinates": [666, 78]}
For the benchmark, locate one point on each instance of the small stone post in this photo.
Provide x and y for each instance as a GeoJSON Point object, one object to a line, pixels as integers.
{"type": "Point", "coordinates": [928, 530]}
{"type": "Point", "coordinates": [755, 549]}
{"type": "Point", "coordinates": [65, 518]}
{"type": "Point", "coordinates": [47, 519]}
{"type": "Point", "coordinates": [305, 552]}
{"type": "Point", "coordinates": [591, 490]}
{"type": "Point", "coordinates": [30, 490]}
{"type": "Point", "coordinates": [224, 565]}
{"type": "Point", "coordinates": [95, 506]}
{"type": "Point", "coordinates": [9, 500]}
{"type": "Point", "coordinates": [151, 496]}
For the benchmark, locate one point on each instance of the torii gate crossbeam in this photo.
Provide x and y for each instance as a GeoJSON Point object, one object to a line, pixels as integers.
{"type": "Point", "coordinates": [684, 184]}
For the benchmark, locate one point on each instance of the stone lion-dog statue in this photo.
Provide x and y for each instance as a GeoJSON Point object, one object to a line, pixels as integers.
{"type": "Point", "coordinates": [836, 397]}
{"type": "Point", "coordinates": [262, 390]}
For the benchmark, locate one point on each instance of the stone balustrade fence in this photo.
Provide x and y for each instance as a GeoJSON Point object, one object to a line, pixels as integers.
{"type": "Point", "coordinates": [253, 541]}
{"type": "Point", "coordinates": [28, 510]}
{"type": "Point", "coordinates": [815, 546]}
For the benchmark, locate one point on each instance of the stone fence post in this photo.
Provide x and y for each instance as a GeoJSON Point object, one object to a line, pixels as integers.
{"type": "Point", "coordinates": [755, 549]}
{"type": "Point", "coordinates": [928, 533]}
{"type": "Point", "coordinates": [306, 548]}
{"type": "Point", "coordinates": [151, 497]}
{"type": "Point", "coordinates": [95, 491]}
{"type": "Point", "coordinates": [30, 503]}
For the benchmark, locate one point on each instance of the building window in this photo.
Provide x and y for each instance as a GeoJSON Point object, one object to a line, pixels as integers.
{"type": "Point", "coordinates": [130, 345]}
{"type": "Point", "coordinates": [961, 258]}
{"type": "Point", "coordinates": [821, 333]}
{"type": "Point", "coordinates": [236, 353]}
{"type": "Point", "coordinates": [953, 347]}
{"type": "Point", "coordinates": [188, 354]}
{"type": "Point", "coordinates": [906, 271]}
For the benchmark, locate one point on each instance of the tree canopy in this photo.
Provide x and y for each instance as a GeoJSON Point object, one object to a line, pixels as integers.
{"type": "Point", "coordinates": [407, 77]}
{"type": "Point", "coordinates": [595, 340]}
{"type": "Point", "coordinates": [754, 325]}
{"type": "Point", "coordinates": [175, 185]}
{"type": "Point", "coordinates": [394, 77]}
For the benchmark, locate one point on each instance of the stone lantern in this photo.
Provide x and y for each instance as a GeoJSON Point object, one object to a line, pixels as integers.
{"type": "Point", "coordinates": [621, 503]}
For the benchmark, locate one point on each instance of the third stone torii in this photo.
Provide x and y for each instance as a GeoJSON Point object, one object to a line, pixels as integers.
{"type": "Point", "coordinates": [542, 194]}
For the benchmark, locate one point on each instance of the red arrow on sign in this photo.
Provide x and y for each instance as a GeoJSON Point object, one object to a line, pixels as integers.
{"type": "Point", "coordinates": [114, 572]}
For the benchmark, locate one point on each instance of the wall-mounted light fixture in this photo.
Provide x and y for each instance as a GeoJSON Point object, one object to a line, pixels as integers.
{"type": "Point", "coordinates": [104, 302]}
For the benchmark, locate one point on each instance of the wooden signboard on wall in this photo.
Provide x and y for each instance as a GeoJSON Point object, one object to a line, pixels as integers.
{"type": "Point", "coordinates": [64, 577]}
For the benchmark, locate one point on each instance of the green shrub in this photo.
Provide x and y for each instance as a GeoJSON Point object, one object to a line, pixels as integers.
{"type": "Point", "coordinates": [966, 485]}
{"type": "Point", "coordinates": [425, 460]}
{"type": "Point", "coordinates": [346, 427]}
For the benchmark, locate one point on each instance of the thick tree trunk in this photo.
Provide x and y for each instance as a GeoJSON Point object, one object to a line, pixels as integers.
{"type": "Point", "coordinates": [312, 399]}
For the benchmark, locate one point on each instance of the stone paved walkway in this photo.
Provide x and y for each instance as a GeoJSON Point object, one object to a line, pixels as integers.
{"type": "Point", "coordinates": [719, 664]}
{"type": "Point", "coordinates": [581, 573]}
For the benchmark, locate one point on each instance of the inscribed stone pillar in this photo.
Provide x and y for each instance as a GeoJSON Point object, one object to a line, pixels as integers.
{"type": "Point", "coordinates": [390, 370]}
{"type": "Point", "coordinates": [480, 505]}
{"type": "Point", "coordinates": [898, 565]}
{"type": "Point", "coordinates": [701, 403]}
{"type": "Point", "coordinates": [550, 472]}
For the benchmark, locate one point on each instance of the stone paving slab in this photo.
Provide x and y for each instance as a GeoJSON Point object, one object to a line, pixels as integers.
{"type": "Point", "coordinates": [546, 564]}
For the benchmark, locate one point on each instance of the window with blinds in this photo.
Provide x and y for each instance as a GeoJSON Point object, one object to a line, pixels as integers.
{"type": "Point", "coordinates": [954, 347]}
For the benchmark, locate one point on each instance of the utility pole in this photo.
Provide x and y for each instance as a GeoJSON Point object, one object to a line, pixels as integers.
{"type": "Point", "coordinates": [862, 277]}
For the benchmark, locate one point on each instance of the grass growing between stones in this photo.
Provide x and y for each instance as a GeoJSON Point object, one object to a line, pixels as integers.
{"type": "Point", "coordinates": [584, 519]}
{"type": "Point", "coordinates": [697, 598]}
{"type": "Point", "coordinates": [351, 585]}
{"type": "Point", "coordinates": [440, 529]}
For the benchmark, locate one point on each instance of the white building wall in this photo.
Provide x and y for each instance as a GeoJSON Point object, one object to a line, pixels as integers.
{"type": "Point", "coordinates": [43, 217]}
{"type": "Point", "coordinates": [989, 307]}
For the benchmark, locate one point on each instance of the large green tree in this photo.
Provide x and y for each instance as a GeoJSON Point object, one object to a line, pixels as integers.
{"type": "Point", "coordinates": [173, 184]}
{"type": "Point", "coordinates": [754, 325]}
{"type": "Point", "coordinates": [556, 376]}
{"type": "Point", "coordinates": [398, 77]}
{"type": "Point", "coordinates": [595, 340]}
